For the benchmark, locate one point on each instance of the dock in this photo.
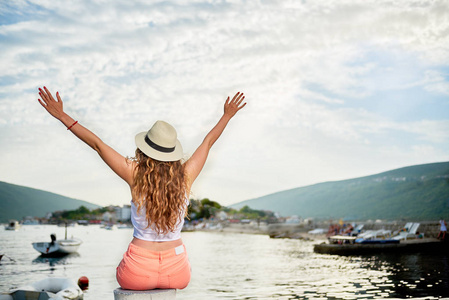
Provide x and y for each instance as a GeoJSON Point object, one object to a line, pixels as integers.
{"type": "Point", "coordinates": [426, 245]}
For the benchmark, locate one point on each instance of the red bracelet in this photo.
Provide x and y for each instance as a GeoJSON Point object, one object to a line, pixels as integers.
{"type": "Point", "coordinates": [72, 125]}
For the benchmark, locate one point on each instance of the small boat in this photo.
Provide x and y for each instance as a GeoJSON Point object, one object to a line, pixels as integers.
{"type": "Point", "coordinates": [58, 247]}
{"type": "Point", "coordinates": [13, 225]}
{"type": "Point", "coordinates": [110, 227]}
{"type": "Point", "coordinates": [4, 255]}
{"type": "Point", "coordinates": [316, 231]}
{"type": "Point", "coordinates": [124, 226]}
{"type": "Point", "coordinates": [48, 288]}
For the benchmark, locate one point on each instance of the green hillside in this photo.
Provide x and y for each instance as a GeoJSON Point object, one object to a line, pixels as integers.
{"type": "Point", "coordinates": [18, 201]}
{"type": "Point", "coordinates": [418, 192]}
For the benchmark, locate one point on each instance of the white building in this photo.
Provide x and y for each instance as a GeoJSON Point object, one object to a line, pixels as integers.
{"type": "Point", "coordinates": [123, 213]}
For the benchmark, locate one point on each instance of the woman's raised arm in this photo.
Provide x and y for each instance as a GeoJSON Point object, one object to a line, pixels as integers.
{"type": "Point", "coordinates": [195, 163]}
{"type": "Point", "coordinates": [119, 164]}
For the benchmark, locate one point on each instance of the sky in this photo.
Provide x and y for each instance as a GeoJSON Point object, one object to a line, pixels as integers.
{"type": "Point", "coordinates": [336, 89]}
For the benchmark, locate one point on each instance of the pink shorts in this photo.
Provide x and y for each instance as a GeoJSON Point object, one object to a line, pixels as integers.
{"type": "Point", "coordinates": [142, 269]}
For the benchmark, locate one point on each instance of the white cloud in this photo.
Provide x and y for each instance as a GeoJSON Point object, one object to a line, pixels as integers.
{"type": "Point", "coordinates": [311, 72]}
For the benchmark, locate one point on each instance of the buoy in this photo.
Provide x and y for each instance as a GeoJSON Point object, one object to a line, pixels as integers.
{"type": "Point", "coordinates": [83, 283]}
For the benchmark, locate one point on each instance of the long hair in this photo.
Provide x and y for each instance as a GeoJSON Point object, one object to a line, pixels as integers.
{"type": "Point", "coordinates": [160, 191]}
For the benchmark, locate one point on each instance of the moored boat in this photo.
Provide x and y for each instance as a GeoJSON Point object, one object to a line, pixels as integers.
{"type": "Point", "coordinates": [58, 247]}
{"type": "Point", "coordinates": [48, 288]}
{"type": "Point", "coordinates": [12, 225]}
{"type": "Point", "coordinates": [381, 246]}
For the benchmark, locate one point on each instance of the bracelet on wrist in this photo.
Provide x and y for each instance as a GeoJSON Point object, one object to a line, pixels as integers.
{"type": "Point", "coordinates": [70, 127]}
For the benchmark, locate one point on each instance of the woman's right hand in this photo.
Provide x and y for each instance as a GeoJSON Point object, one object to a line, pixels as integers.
{"type": "Point", "coordinates": [54, 107]}
{"type": "Point", "coordinates": [233, 106]}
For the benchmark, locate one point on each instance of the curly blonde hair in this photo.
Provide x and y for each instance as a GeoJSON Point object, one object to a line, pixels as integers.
{"type": "Point", "coordinates": [160, 189]}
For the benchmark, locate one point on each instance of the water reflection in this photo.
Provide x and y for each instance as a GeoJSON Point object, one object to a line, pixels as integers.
{"type": "Point", "coordinates": [53, 261]}
{"type": "Point", "coordinates": [236, 266]}
{"type": "Point", "coordinates": [413, 275]}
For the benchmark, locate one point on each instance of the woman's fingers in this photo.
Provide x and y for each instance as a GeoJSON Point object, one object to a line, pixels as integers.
{"type": "Point", "coordinates": [49, 94]}
{"type": "Point", "coordinates": [242, 105]}
{"type": "Point", "coordinates": [42, 103]}
{"type": "Point", "coordinates": [236, 100]}
{"type": "Point", "coordinates": [58, 97]}
{"type": "Point", "coordinates": [46, 95]}
{"type": "Point", "coordinates": [240, 101]}
{"type": "Point", "coordinates": [233, 106]}
{"type": "Point", "coordinates": [236, 97]}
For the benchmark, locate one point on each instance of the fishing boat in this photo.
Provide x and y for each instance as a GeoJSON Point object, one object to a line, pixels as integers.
{"type": "Point", "coordinates": [58, 247]}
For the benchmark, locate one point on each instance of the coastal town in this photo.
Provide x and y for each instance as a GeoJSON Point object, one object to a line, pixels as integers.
{"type": "Point", "coordinates": [208, 215]}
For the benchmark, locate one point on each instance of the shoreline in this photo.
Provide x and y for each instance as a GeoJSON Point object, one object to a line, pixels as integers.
{"type": "Point", "coordinates": [429, 229]}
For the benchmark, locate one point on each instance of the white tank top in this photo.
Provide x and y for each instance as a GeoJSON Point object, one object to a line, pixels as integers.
{"type": "Point", "coordinates": [140, 223]}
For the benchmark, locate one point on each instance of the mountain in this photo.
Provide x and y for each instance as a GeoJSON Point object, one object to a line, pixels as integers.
{"type": "Point", "coordinates": [18, 201]}
{"type": "Point", "coordinates": [418, 192]}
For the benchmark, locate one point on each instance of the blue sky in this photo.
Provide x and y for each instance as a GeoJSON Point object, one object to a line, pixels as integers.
{"type": "Point", "coordinates": [335, 89]}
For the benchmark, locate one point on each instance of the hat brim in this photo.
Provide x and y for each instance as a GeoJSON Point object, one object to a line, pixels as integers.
{"type": "Point", "coordinates": [176, 155]}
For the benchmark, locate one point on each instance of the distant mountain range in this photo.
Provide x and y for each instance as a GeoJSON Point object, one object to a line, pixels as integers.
{"type": "Point", "coordinates": [18, 201]}
{"type": "Point", "coordinates": [418, 192]}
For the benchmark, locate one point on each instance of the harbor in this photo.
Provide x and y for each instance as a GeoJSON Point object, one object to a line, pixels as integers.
{"type": "Point", "coordinates": [54, 256]}
{"type": "Point", "coordinates": [231, 264]}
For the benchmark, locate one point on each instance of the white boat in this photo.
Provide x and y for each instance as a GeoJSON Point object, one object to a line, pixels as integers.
{"type": "Point", "coordinates": [13, 225]}
{"type": "Point", "coordinates": [110, 227]}
{"type": "Point", "coordinates": [124, 226]}
{"type": "Point", "coordinates": [48, 288]}
{"type": "Point", "coordinates": [58, 247]}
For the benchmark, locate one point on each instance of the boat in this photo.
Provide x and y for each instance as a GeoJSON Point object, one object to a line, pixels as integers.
{"type": "Point", "coordinates": [48, 288]}
{"type": "Point", "coordinates": [12, 225]}
{"type": "Point", "coordinates": [124, 226]}
{"type": "Point", "coordinates": [407, 239]}
{"type": "Point", "coordinates": [316, 231]}
{"type": "Point", "coordinates": [110, 227]}
{"type": "Point", "coordinates": [348, 245]}
{"type": "Point", "coordinates": [4, 255]}
{"type": "Point", "coordinates": [58, 247]}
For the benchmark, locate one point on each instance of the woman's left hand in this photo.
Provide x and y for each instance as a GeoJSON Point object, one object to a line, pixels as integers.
{"type": "Point", "coordinates": [54, 107]}
{"type": "Point", "coordinates": [233, 106]}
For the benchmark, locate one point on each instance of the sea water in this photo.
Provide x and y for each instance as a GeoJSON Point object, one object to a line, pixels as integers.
{"type": "Point", "coordinates": [230, 266]}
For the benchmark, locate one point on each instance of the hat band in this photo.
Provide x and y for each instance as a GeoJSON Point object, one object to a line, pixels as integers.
{"type": "Point", "coordinates": [157, 147]}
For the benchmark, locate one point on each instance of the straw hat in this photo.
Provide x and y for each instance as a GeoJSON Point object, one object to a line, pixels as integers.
{"type": "Point", "coordinates": [160, 142]}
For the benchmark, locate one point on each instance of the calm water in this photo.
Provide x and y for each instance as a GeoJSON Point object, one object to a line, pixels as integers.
{"type": "Point", "coordinates": [231, 266]}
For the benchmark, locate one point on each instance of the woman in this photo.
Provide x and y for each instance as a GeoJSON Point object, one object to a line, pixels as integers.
{"type": "Point", "coordinates": [160, 186]}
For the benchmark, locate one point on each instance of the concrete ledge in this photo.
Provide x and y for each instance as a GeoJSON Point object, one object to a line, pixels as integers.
{"type": "Point", "coordinates": [121, 294]}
